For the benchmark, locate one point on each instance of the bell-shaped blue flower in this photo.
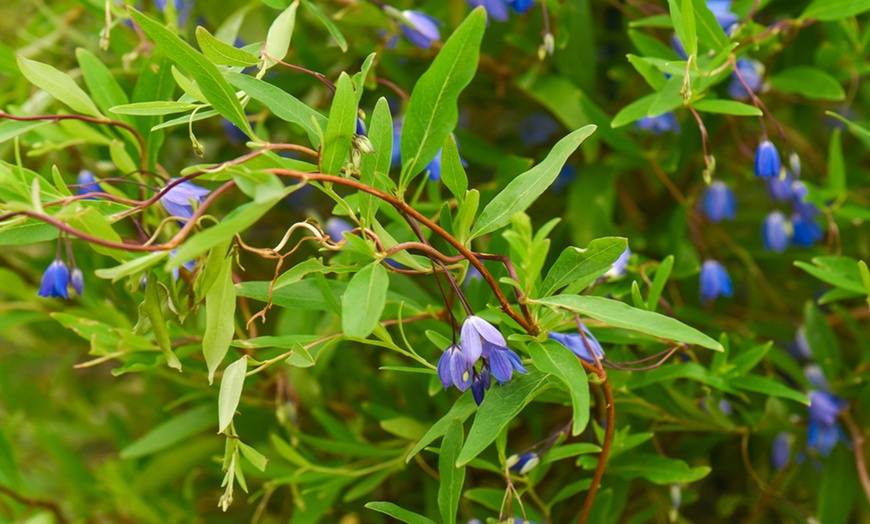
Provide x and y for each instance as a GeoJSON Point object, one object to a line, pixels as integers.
{"type": "Point", "coordinates": [805, 232]}
{"type": "Point", "coordinates": [87, 183]}
{"type": "Point", "coordinates": [503, 362]}
{"type": "Point", "coordinates": [454, 369]}
{"type": "Point", "coordinates": [77, 279]}
{"type": "Point", "coordinates": [182, 198]}
{"type": "Point", "coordinates": [55, 280]}
{"type": "Point", "coordinates": [495, 9]}
{"type": "Point", "coordinates": [779, 187]}
{"type": "Point", "coordinates": [619, 266]}
{"type": "Point", "coordinates": [719, 202]}
{"type": "Point", "coordinates": [480, 383]}
{"type": "Point", "coordinates": [521, 7]}
{"type": "Point", "coordinates": [584, 346]}
{"type": "Point", "coordinates": [337, 227]}
{"type": "Point", "coordinates": [799, 201]}
{"type": "Point", "coordinates": [663, 123]}
{"type": "Point", "coordinates": [479, 337]}
{"type": "Point", "coordinates": [714, 281]}
{"type": "Point", "coordinates": [423, 29]}
{"type": "Point", "coordinates": [825, 407]}
{"type": "Point", "coordinates": [775, 232]}
{"type": "Point", "coordinates": [523, 463]}
{"type": "Point", "coordinates": [767, 162]}
{"type": "Point", "coordinates": [823, 438]}
{"type": "Point", "coordinates": [752, 73]}
{"type": "Point", "coordinates": [722, 11]}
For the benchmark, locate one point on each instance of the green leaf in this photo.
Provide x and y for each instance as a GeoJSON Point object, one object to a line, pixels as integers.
{"type": "Point", "coordinates": [170, 432]}
{"type": "Point", "coordinates": [669, 98]}
{"type": "Point", "coordinates": [661, 278]}
{"type": "Point", "coordinates": [333, 30]}
{"type": "Point", "coordinates": [649, 73]}
{"type": "Point", "coordinates": [580, 267]}
{"type": "Point", "coordinates": [461, 409]}
{"type": "Point", "coordinates": [363, 302]}
{"type": "Point", "coordinates": [822, 341]}
{"type": "Point", "coordinates": [554, 358]}
{"type": "Point", "coordinates": [809, 82]}
{"type": "Point", "coordinates": [254, 457]}
{"type": "Point", "coordinates": [154, 311]}
{"type": "Point", "coordinates": [213, 85]}
{"type": "Point", "coordinates": [836, 164]}
{"type": "Point", "coordinates": [220, 311]}
{"type": "Point", "coordinates": [827, 10]}
{"type": "Point", "coordinates": [132, 267]}
{"type": "Point", "coordinates": [221, 53]}
{"type": "Point", "coordinates": [340, 128]}
{"type": "Point", "coordinates": [102, 84]}
{"type": "Point", "coordinates": [231, 392]}
{"type": "Point", "coordinates": [452, 173]}
{"type": "Point", "coordinates": [59, 85]}
{"type": "Point", "coordinates": [839, 487]}
{"type": "Point", "coordinates": [186, 85]}
{"type": "Point", "coordinates": [682, 24]}
{"type": "Point", "coordinates": [710, 33]}
{"type": "Point", "coordinates": [526, 188]}
{"type": "Point", "coordinates": [655, 468]}
{"type": "Point", "coordinates": [153, 108]}
{"type": "Point", "coordinates": [860, 133]}
{"type": "Point", "coordinates": [726, 107]}
{"type": "Point", "coordinates": [432, 112]}
{"type": "Point", "coordinates": [282, 104]}
{"type": "Point", "coordinates": [846, 275]}
{"type": "Point", "coordinates": [380, 133]}
{"type": "Point", "coordinates": [279, 35]}
{"type": "Point", "coordinates": [620, 315]}
{"type": "Point", "coordinates": [501, 405]}
{"type": "Point", "coordinates": [452, 478]}
{"type": "Point", "coordinates": [11, 128]}
{"type": "Point", "coordinates": [769, 387]}
{"type": "Point", "coordinates": [401, 514]}
{"type": "Point", "coordinates": [634, 111]}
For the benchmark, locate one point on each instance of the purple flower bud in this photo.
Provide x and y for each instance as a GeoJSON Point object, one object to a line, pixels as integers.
{"type": "Point", "coordinates": [719, 202]}
{"type": "Point", "coordinates": [779, 188]}
{"type": "Point", "coordinates": [752, 72]}
{"type": "Point", "coordinates": [423, 29]}
{"type": "Point", "coordinates": [825, 407]}
{"type": "Point", "coordinates": [521, 7]}
{"type": "Point", "coordinates": [87, 183]}
{"type": "Point", "coordinates": [77, 279]}
{"type": "Point", "coordinates": [480, 383]}
{"type": "Point", "coordinates": [663, 123]}
{"type": "Point", "coordinates": [714, 281]}
{"type": "Point", "coordinates": [619, 266]}
{"type": "Point", "coordinates": [767, 162]}
{"type": "Point", "coordinates": [805, 232]}
{"type": "Point", "coordinates": [525, 463]}
{"type": "Point", "coordinates": [55, 280]}
{"type": "Point", "coordinates": [780, 451]}
{"type": "Point", "coordinates": [775, 232]}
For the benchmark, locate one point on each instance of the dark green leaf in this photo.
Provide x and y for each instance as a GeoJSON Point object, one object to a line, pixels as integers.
{"type": "Point", "coordinates": [363, 302]}
{"type": "Point", "coordinates": [580, 267]}
{"type": "Point", "coordinates": [340, 128]}
{"type": "Point", "coordinates": [554, 358]}
{"type": "Point", "coordinates": [452, 478]}
{"type": "Point", "coordinates": [809, 82]}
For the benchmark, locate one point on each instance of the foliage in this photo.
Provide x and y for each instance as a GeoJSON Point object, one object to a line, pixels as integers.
{"type": "Point", "coordinates": [430, 262]}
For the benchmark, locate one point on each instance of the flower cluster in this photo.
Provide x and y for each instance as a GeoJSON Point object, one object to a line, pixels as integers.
{"type": "Point", "coordinates": [478, 340]}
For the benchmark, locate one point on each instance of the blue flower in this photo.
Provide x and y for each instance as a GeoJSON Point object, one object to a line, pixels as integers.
{"type": "Point", "coordinates": [779, 187]}
{"type": "Point", "coordinates": [454, 369]}
{"type": "Point", "coordinates": [815, 376]}
{"type": "Point", "coordinates": [55, 280]}
{"type": "Point", "coordinates": [502, 362]}
{"type": "Point", "coordinates": [780, 452]}
{"type": "Point", "coordinates": [537, 129]}
{"type": "Point", "coordinates": [521, 7]}
{"type": "Point", "coordinates": [719, 202]}
{"type": "Point", "coordinates": [805, 232]}
{"type": "Point", "coordinates": [496, 9]}
{"type": "Point", "coordinates": [799, 202]}
{"type": "Point", "coordinates": [722, 11]}
{"type": "Point", "coordinates": [825, 407]}
{"type": "Point", "coordinates": [480, 383]}
{"type": "Point", "coordinates": [87, 183]}
{"type": "Point", "coordinates": [77, 279]}
{"type": "Point", "coordinates": [752, 72]}
{"type": "Point", "coordinates": [182, 8]}
{"type": "Point", "coordinates": [714, 281]}
{"type": "Point", "coordinates": [823, 438]}
{"type": "Point", "coordinates": [525, 463]}
{"type": "Point", "coordinates": [663, 123]}
{"type": "Point", "coordinates": [775, 232]}
{"type": "Point", "coordinates": [619, 266]}
{"type": "Point", "coordinates": [584, 346]}
{"type": "Point", "coordinates": [190, 265]}
{"type": "Point", "coordinates": [181, 199]}
{"type": "Point", "coordinates": [423, 29]}
{"type": "Point", "coordinates": [336, 228]}
{"type": "Point", "coordinates": [479, 337]}
{"type": "Point", "coordinates": [767, 163]}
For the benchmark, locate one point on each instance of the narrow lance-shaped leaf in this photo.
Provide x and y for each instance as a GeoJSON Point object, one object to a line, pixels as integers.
{"type": "Point", "coordinates": [231, 392]}
{"type": "Point", "coordinates": [522, 191]}
{"type": "Point", "coordinates": [340, 128]}
{"type": "Point", "coordinates": [333, 30]}
{"type": "Point", "coordinates": [554, 358]}
{"type": "Point", "coordinates": [279, 35]}
{"type": "Point", "coordinates": [363, 302]}
{"type": "Point", "coordinates": [220, 310]}
{"type": "Point", "coordinates": [432, 112]}
{"type": "Point", "coordinates": [59, 85]}
{"type": "Point", "coordinates": [452, 478]}
{"type": "Point", "coordinates": [221, 53]}
{"type": "Point", "coordinates": [154, 311]}
{"type": "Point", "coordinates": [377, 164]}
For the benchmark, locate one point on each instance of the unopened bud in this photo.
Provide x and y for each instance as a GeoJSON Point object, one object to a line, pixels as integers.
{"type": "Point", "coordinates": [363, 144]}
{"type": "Point", "coordinates": [549, 43]}
{"type": "Point", "coordinates": [794, 161]}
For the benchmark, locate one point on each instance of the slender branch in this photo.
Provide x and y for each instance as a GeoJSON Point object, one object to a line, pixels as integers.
{"type": "Point", "coordinates": [860, 462]}
{"type": "Point", "coordinates": [32, 502]}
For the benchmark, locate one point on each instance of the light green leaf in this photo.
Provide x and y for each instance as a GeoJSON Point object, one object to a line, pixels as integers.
{"type": "Point", "coordinates": [380, 132]}
{"type": "Point", "coordinates": [452, 478]}
{"type": "Point", "coordinates": [154, 296]}
{"type": "Point", "coordinates": [526, 188]}
{"type": "Point", "coordinates": [726, 107]}
{"type": "Point", "coordinates": [661, 278]}
{"type": "Point", "coordinates": [221, 53]}
{"type": "Point", "coordinates": [153, 108]}
{"type": "Point", "coordinates": [655, 468]}
{"type": "Point", "coordinates": [102, 84]}
{"type": "Point", "coordinates": [769, 387]}
{"type": "Point", "coordinates": [220, 311]}
{"type": "Point", "coordinates": [634, 111]}
{"type": "Point", "coordinates": [621, 315]}
{"type": "Point", "coordinates": [432, 113]}
{"type": "Point", "coordinates": [710, 33]}
{"type": "Point", "coordinates": [501, 405]}
{"type": "Point", "coordinates": [554, 358]}
{"type": "Point", "coordinates": [254, 457]}
{"type": "Point", "coordinates": [401, 514]}
{"type": "Point", "coordinates": [333, 30]}
{"type": "Point", "coordinates": [687, 12]}
{"type": "Point", "coordinates": [809, 82]}
{"type": "Point", "coordinates": [580, 267]}
{"type": "Point", "coordinates": [827, 10]}
{"type": "Point", "coordinates": [649, 73]}
{"type": "Point", "coordinates": [363, 302]}
{"type": "Point", "coordinates": [836, 164]}
{"type": "Point", "coordinates": [861, 133]}
{"type": "Point", "coordinates": [170, 432]}
{"type": "Point", "coordinates": [340, 128]}
{"type": "Point", "coordinates": [231, 392]}
{"type": "Point", "coordinates": [212, 84]}
{"type": "Point", "coordinates": [279, 35]}
{"type": "Point", "coordinates": [452, 173]}
{"type": "Point", "coordinates": [59, 85]}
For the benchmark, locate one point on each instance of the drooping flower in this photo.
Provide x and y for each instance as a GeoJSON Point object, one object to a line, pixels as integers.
{"type": "Point", "coordinates": [584, 346]}
{"type": "Point", "coordinates": [423, 29]}
{"type": "Point", "coordinates": [521, 7]}
{"type": "Point", "coordinates": [823, 430]}
{"type": "Point", "coordinates": [779, 187]}
{"type": "Point", "coordinates": [480, 383]}
{"type": "Point", "coordinates": [87, 183]}
{"type": "Point", "coordinates": [799, 201]}
{"type": "Point", "coordinates": [767, 162]}
{"type": "Point", "coordinates": [478, 338]}
{"type": "Point", "coordinates": [336, 228]}
{"type": "Point", "coordinates": [714, 281]}
{"type": "Point", "coordinates": [805, 232]}
{"type": "Point", "coordinates": [619, 266]}
{"type": "Point", "coordinates": [666, 122]}
{"type": "Point", "coordinates": [55, 280]}
{"type": "Point", "coordinates": [719, 202]}
{"type": "Point", "coordinates": [775, 232]}
{"type": "Point", "coordinates": [523, 463]}
{"type": "Point", "coordinates": [454, 369]}
{"type": "Point", "coordinates": [503, 362]}
{"type": "Point", "coordinates": [495, 9]}
{"type": "Point", "coordinates": [722, 11]}
{"type": "Point", "coordinates": [182, 198]}
{"type": "Point", "coordinates": [752, 73]}
{"type": "Point", "coordinates": [780, 452]}
{"type": "Point", "coordinates": [77, 279]}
